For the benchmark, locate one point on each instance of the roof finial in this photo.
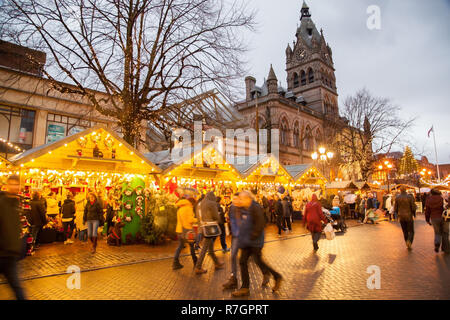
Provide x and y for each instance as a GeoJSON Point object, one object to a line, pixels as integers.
{"type": "Point", "coordinates": [305, 11]}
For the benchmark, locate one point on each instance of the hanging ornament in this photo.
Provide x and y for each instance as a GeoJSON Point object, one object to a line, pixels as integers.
{"type": "Point", "coordinates": [139, 190]}
{"type": "Point", "coordinates": [139, 200]}
{"type": "Point", "coordinates": [109, 142]}
{"type": "Point", "coordinates": [113, 153]}
{"type": "Point", "coordinates": [128, 205]}
{"type": "Point", "coordinates": [80, 152]}
{"type": "Point", "coordinates": [128, 191]}
{"type": "Point", "coordinates": [95, 138]}
{"type": "Point", "coordinates": [95, 151]}
{"type": "Point", "coordinates": [82, 142]}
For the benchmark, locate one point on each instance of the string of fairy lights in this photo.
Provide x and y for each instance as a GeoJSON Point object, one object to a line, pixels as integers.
{"type": "Point", "coordinates": [11, 145]}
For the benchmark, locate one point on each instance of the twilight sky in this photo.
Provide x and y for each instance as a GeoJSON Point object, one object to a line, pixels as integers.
{"type": "Point", "coordinates": [407, 60]}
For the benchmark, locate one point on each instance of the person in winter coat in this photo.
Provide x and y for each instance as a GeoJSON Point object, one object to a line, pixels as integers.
{"type": "Point", "coordinates": [185, 220]}
{"type": "Point", "coordinates": [52, 206]}
{"type": "Point", "coordinates": [278, 207]}
{"type": "Point", "coordinates": [285, 206]}
{"type": "Point", "coordinates": [38, 219]}
{"type": "Point", "coordinates": [10, 244]}
{"type": "Point", "coordinates": [235, 214]}
{"type": "Point", "coordinates": [207, 212]}
{"type": "Point", "coordinates": [80, 201]}
{"type": "Point", "coordinates": [223, 234]}
{"type": "Point", "coordinates": [405, 207]}
{"type": "Point", "coordinates": [314, 219]}
{"type": "Point", "coordinates": [68, 218]}
{"type": "Point", "coordinates": [93, 215]}
{"type": "Point", "coordinates": [433, 215]}
{"type": "Point", "coordinates": [110, 213]}
{"type": "Point", "coordinates": [251, 242]}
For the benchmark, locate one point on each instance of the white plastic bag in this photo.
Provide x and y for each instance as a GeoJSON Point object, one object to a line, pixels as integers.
{"type": "Point", "coordinates": [329, 232]}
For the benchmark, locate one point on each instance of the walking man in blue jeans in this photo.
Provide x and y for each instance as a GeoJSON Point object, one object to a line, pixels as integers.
{"type": "Point", "coordinates": [251, 242]}
{"type": "Point", "coordinates": [10, 243]}
{"type": "Point", "coordinates": [235, 222]}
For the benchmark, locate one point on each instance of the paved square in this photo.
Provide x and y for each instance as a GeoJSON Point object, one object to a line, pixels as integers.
{"type": "Point", "coordinates": [337, 271]}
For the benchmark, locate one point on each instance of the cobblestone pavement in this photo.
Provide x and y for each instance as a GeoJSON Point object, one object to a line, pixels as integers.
{"type": "Point", "coordinates": [337, 271]}
{"type": "Point", "coordinates": [54, 258]}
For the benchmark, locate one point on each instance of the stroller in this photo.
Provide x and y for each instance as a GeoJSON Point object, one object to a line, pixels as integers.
{"type": "Point", "coordinates": [338, 222]}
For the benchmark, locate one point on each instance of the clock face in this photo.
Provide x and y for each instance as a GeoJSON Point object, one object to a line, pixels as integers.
{"type": "Point", "coordinates": [300, 54]}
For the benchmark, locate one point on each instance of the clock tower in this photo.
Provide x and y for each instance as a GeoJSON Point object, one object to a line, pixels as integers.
{"type": "Point", "coordinates": [310, 68]}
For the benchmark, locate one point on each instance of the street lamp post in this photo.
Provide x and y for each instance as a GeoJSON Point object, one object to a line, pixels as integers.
{"type": "Point", "coordinates": [386, 166]}
{"type": "Point", "coordinates": [323, 156]}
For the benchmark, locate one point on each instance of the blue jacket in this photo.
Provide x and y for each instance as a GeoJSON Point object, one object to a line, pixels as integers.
{"type": "Point", "coordinates": [234, 221]}
{"type": "Point", "coordinates": [251, 231]}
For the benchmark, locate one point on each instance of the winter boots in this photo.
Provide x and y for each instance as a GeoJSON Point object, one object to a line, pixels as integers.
{"type": "Point", "coordinates": [94, 244]}
{"type": "Point", "coordinates": [231, 283]}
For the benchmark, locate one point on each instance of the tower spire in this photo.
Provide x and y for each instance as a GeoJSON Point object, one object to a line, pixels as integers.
{"type": "Point", "coordinates": [305, 11]}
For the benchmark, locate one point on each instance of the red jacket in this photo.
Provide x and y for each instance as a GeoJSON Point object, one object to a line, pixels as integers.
{"type": "Point", "coordinates": [314, 215]}
{"type": "Point", "coordinates": [434, 207]}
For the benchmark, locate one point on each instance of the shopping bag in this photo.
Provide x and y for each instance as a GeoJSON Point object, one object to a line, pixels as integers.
{"type": "Point", "coordinates": [329, 232]}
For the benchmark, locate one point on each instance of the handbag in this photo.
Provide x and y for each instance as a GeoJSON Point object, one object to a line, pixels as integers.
{"type": "Point", "coordinates": [209, 229]}
{"type": "Point", "coordinates": [189, 235]}
{"type": "Point", "coordinates": [446, 215]}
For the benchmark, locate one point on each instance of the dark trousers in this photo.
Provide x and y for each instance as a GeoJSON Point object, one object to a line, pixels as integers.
{"type": "Point", "coordinates": [68, 229]}
{"type": "Point", "coordinates": [408, 230]}
{"type": "Point", "coordinates": [280, 224]}
{"type": "Point", "coordinates": [8, 267]}
{"type": "Point", "coordinates": [441, 230]}
{"type": "Point", "coordinates": [35, 231]}
{"type": "Point", "coordinates": [315, 238]}
{"type": "Point", "coordinates": [223, 235]}
{"type": "Point", "coordinates": [180, 247]}
{"type": "Point", "coordinates": [287, 223]}
{"type": "Point", "coordinates": [257, 256]}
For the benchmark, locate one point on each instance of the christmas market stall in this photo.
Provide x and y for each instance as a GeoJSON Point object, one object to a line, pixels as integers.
{"type": "Point", "coordinates": [263, 173]}
{"type": "Point", "coordinates": [96, 160]}
{"type": "Point", "coordinates": [307, 179]}
{"type": "Point", "coordinates": [203, 170]}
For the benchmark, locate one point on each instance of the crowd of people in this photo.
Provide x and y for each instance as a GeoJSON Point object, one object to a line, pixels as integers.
{"type": "Point", "coordinates": [201, 220]}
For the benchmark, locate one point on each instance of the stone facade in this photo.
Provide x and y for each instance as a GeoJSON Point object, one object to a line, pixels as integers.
{"type": "Point", "coordinates": [311, 95]}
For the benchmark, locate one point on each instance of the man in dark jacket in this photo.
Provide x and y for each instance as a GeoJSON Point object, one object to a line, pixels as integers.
{"type": "Point", "coordinates": [38, 218]}
{"type": "Point", "coordinates": [234, 214]}
{"type": "Point", "coordinates": [208, 212]}
{"type": "Point", "coordinates": [251, 242]}
{"type": "Point", "coordinates": [433, 215]}
{"type": "Point", "coordinates": [223, 235]}
{"type": "Point", "coordinates": [68, 217]}
{"type": "Point", "coordinates": [10, 243]}
{"type": "Point", "coordinates": [286, 207]}
{"type": "Point", "coordinates": [405, 207]}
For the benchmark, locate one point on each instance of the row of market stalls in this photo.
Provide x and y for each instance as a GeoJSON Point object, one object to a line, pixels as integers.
{"type": "Point", "coordinates": [98, 160]}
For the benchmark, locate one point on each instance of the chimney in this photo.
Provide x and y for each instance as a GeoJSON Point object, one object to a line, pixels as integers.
{"type": "Point", "coordinates": [250, 83]}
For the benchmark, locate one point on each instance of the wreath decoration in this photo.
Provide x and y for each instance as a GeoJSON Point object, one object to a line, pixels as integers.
{"type": "Point", "coordinates": [139, 211]}
{"type": "Point", "coordinates": [109, 143]}
{"type": "Point", "coordinates": [128, 191]}
{"type": "Point", "coordinates": [82, 142]}
{"type": "Point", "coordinates": [139, 200]}
{"type": "Point", "coordinates": [95, 138]}
{"type": "Point", "coordinates": [139, 190]}
{"type": "Point", "coordinates": [128, 205]}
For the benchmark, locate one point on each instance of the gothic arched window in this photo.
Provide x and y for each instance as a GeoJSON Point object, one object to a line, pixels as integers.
{"type": "Point", "coordinates": [310, 75]}
{"type": "Point", "coordinates": [303, 77]}
{"type": "Point", "coordinates": [296, 83]}
{"type": "Point", "coordinates": [296, 135]}
{"type": "Point", "coordinates": [309, 141]}
{"type": "Point", "coordinates": [284, 131]}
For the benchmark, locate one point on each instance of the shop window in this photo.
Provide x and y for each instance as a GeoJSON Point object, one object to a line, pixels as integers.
{"type": "Point", "coordinates": [17, 126]}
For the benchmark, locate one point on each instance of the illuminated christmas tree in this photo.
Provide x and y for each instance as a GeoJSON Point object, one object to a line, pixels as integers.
{"type": "Point", "coordinates": [408, 164]}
